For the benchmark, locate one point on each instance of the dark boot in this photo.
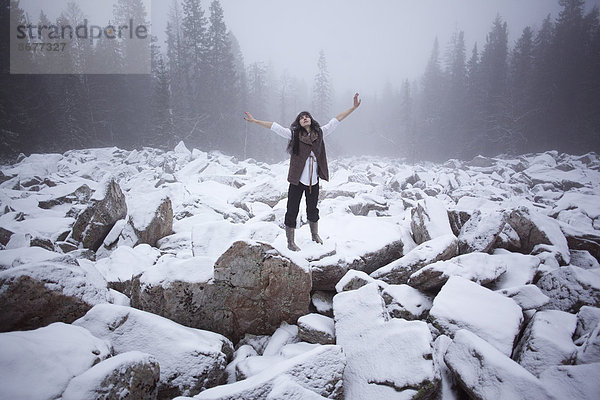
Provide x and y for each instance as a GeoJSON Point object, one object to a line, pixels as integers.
{"type": "Point", "coordinates": [289, 233]}
{"type": "Point", "coordinates": [314, 231]}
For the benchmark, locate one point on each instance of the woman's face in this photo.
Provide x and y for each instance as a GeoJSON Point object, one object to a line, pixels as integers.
{"type": "Point", "coordinates": [305, 121]}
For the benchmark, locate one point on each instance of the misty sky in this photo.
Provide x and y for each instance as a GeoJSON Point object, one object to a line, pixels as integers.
{"type": "Point", "coordinates": [367, 43]}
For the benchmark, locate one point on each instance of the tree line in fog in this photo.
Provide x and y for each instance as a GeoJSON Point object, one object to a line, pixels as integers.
{"type": "Point", "coordinates": [540, 93]}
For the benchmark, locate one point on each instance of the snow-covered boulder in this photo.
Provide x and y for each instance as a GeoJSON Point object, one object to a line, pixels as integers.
{"type": "Point", "coordinates": [154, 223]}
{"type": "Point", "coordinates": [359, 243]}
{"type": "Point", "coordinates": [571, 287]}
{"type": "Point", "coordinates": [441, 248]}
{"type": "Point", "coordinates": [587, 319]}
{"type": "Point", "coordinates": [190, 359]}
{"type": "Point", "coordinates": [251, 289]}
{"type": "Point", "coordinates": [429, 220]}
{"type": "Point", "coordinates": [534, 229]}
{"type": "Point", "coordinates": [403, 301]}
{"type": "Point", "coordinates": [35, 295]}
{"type": "Point", "coordinates": [589, 352]}
{"type": "Point", "coordinates": [482, 268]}
{"type": "Point", "coordinates": [480, 233]}
{"type": "Point", "coordinates": [462, 304]}
{"type": "Point", "coordinates": [353, 280]}
{"type": "Point", "coordinates": [39, 364]}
{"type": "Point", "coordinates": [316, 328]}
{"type": "Point", "coordinates": [323, 302]}
{"type": "Point", "coordinates": [528, 297]}
{"type": "Point", "coordinates": [319, 370]}
{"type": "Point", "coordinates": [485, 373]}
{"type": "Point", "coordinates": [521, 269]}
{"type": "Point", "coordinates": [583, 259]}
{"type": "Point", "coordinates": [547, 341]}
{"type": "Point", "coordinates": [95, 222]}
{"type": "Point", "coordinates": [128, 375]}
{"type": "Point", "coordinates": [373, 343]}
{"type": "Point", "coordinates": [573, 382]}
{"type": "Point", "coordinates": [587, 242]}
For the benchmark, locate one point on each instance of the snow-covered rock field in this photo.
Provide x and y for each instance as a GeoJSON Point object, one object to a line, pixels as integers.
{"type": "Point", "coordinates": [160, 275]}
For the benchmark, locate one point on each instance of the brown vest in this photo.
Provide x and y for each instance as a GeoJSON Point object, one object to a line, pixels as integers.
{"type": "Point", "coordinates": [298, 161]}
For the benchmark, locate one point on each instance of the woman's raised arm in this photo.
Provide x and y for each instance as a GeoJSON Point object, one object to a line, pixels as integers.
{"type": "Point", "coordinates": [349, 111]}
{"type": "Point", "coordinates": [250, 118]}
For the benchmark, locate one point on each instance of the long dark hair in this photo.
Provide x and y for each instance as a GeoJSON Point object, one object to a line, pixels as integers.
{"type": "Point", "coordinates": [294, 143]}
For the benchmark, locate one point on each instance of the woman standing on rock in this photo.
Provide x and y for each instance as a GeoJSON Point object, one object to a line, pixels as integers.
{"type": "Point", "coordinates": [308, 163]}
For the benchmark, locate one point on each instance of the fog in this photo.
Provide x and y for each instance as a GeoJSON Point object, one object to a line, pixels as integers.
{"type": "Point", "coordinates": [438, 79]}
{"type": "Point", "coordinates": [368, 44]}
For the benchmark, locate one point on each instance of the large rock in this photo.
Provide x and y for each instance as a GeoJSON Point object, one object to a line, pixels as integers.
{"type": "Point", "coordinates": [326, 275]}
{"type": "Point", "coordinates": [438, 249]}
{"type": "Point", "coordinates": [372, 342]}
{"type": "Point", "coordinates": [150, 228]}
{"type": "Point", "coordinates": [587, 241]}
{"type": "Point", "coordinates": [573, 382]}
{"type": "Point", "coordinates": [547, 341]}
{"type": "Point", "coordinates": [535, 228]}
{"type": "Point", "coordinates": [316, 328]}
{"type": "Point", "coordinates": [93, 224]}
{"type": "Point", "coordinates": [39, 364]}
{"type": "Point", "coordinates": [570, 288]}
{"type": "Point", "coordinates": [486, 373]}
{"type": "Point", "coordinates": [589, 352]}
{"type": "Point", "coordinates": [462, 304]}
{"type": "Point", "coordinates": [35, 295]}
{"type": "Point", "coordinates": [319, 370]}
{"type": "Point", "coordinates": [480, 233]}
{"type": "Point", "coordinates": [128, 375]}
{"type": "Point", "coordinates": [482, 268]}
{"type": "Point", "coordinates": [429, 220]}
{"type": "Point", "coordinates": [528, 297]}
{"type": "Point", "coordinates": [253, 289]}
{"type": "Point", "coordinates": [190, 359]}
{"type": "Point", "coordinates": [403, 301]}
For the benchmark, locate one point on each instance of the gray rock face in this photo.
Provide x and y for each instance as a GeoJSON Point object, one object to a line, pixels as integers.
{"type": "Point", "coordinates": [38, 364]}
{"type": "Point", "coordinates": [191, 360]}
{"type": "Point", "coordinates": [485, 373]}
{"type": "Point", "coordinates": [454, 308]}
{"type": "Point", "coordinates": [377, 342]}
{"type": "Point", "coordinates": [536, 229]}
{"type": "Point", "coordinates": [132, 375]}
{"type": "Point", "coordinates": [316, 328]}
{"type": "Point", "coordinates": [319, 370]}
{"type": "Point", "coordinates": [589, 352]}
{"type": "Point", "coordinates": [480, 233]}
{"type": "Point", "coordinates": [429, 220]}
{"type": "Point", "coordinates": [547, 341]}
{"type": "Point", "coordinates": [403, 301]}
{"type": "Point", "coordinates": [253, 291]}
{"type": "Point", "coordinates": [573, 382]}
{"type": "Point", "coordinates": [482, 268]}
{"type": "Point", "coordinates": [160, 226]}
{"type": "Point", "coordinates": [397, 272]}
{"type": "Point", "coordinates": [80, 195]}
{"type": "Point", "coordinates": [35, 295]}
{"type": "Point", "coordinates": [570, 288]}
{"type": "Point", "coordinates": [94, 223]}
{"type": "Point", "coordinates": [325, 277]}
{"type": "Point", "coordinates": [588, 242]}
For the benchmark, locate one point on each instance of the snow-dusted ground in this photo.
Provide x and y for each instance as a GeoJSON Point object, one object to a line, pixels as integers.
{"type": "Point", "coordinates": [367, 205]}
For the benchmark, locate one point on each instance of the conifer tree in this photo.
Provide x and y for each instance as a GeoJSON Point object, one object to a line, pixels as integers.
{"type": "Point", "coordinates": [322, 96]}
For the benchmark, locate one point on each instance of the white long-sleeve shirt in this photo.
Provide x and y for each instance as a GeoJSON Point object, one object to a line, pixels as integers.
{"type": "Point", "coordinates": [286, 133]}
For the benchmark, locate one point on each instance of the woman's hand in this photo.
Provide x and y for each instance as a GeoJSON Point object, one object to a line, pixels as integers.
{"type": "Point", "coordinates": [356, 100]}
{"type": "Point", "coordinates": [344, 114]}
{"type": "Point", "coordinates": [249, 117]}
